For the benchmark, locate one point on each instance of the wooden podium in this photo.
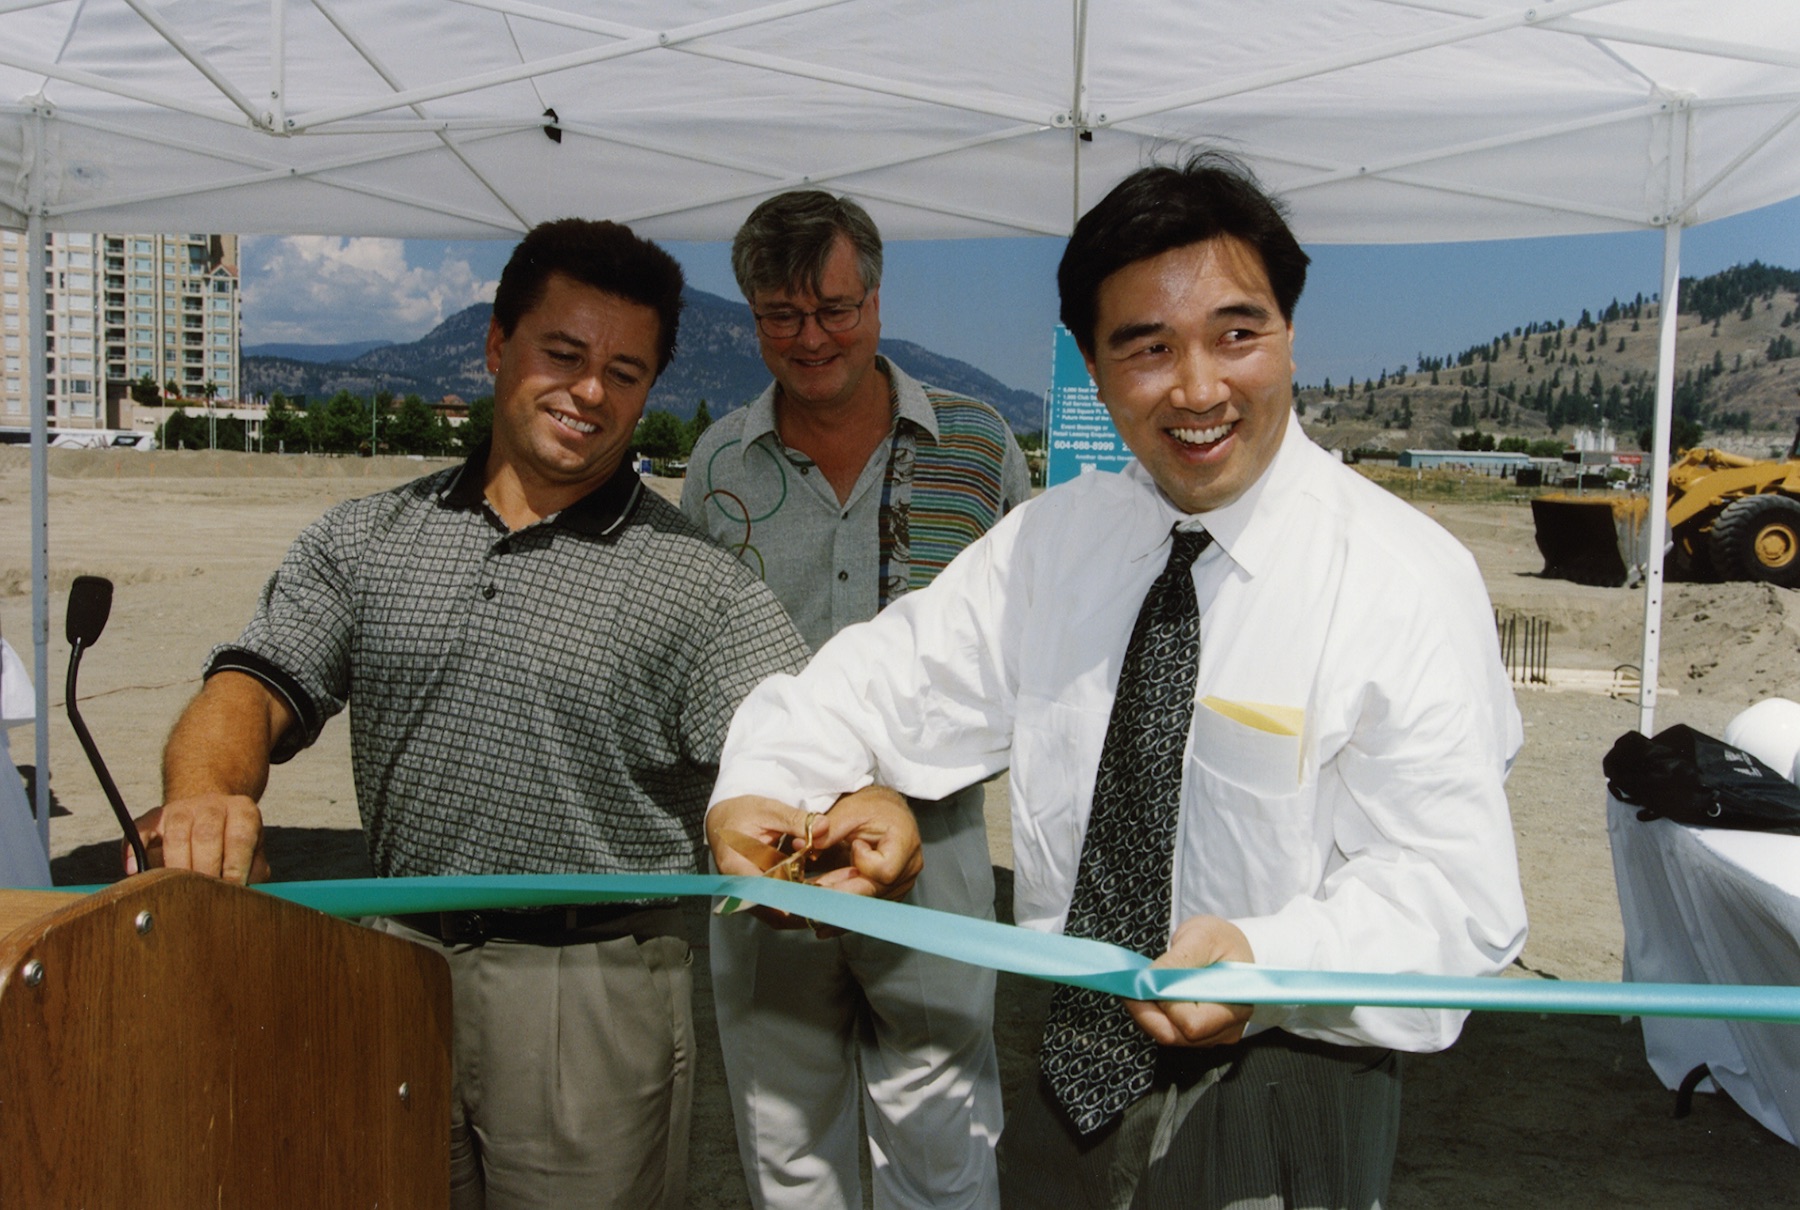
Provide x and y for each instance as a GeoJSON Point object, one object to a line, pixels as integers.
{"type": "Point", "coordinates": [176, 1042]}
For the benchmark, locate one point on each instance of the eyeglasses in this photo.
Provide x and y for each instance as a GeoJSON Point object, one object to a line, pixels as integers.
{"type": "Point", "coordinates": [786, 322]}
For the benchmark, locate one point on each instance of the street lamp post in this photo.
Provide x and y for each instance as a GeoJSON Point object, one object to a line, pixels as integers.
{"type": "Point", "coordinates": [210, 389]}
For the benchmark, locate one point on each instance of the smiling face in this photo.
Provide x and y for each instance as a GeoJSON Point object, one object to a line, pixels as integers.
{"type": "Point", "coordinates": [1194, 362]}
{"type": "Point", "coordinates": [569, 388]}
{"type": "Point", "coordinates": [820, 370]}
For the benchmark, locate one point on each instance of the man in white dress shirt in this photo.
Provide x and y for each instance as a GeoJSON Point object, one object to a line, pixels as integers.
{"type": "Point", "coordinates": [1340, 803]}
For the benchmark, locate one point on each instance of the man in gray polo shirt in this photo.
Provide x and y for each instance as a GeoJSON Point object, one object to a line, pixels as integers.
{"type": "Point", "coordinates": [844, 486]}
{"type": "Point", "coordinates": [540, 658]}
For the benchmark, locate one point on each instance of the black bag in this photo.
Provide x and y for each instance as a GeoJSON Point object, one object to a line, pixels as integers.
{"type": "Point", "coordinates": [1693, 778]}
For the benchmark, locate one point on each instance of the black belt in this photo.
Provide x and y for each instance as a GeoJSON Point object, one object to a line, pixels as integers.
{"type": "Point", "coordinates": [563, 925]}
{"type": "Point", "coordinates": [1184, 1064]}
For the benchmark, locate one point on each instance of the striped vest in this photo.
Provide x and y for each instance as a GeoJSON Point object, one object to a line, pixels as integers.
{"type": "Point", "coordinates": [957, 483]}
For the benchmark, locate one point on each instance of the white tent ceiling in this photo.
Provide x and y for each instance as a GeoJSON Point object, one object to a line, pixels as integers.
{"type": "Point", "coordinates": [1380, 120]}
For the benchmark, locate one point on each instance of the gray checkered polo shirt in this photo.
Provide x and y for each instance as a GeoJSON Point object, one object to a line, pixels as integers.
{"type": "Point", "coordinates": [550, 700]}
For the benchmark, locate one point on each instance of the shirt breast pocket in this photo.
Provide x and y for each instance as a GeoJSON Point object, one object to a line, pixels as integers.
{"type": "Point", "coordinates": [1249, 744]}
{"type": "Point", "coordinates": [1247, 832]}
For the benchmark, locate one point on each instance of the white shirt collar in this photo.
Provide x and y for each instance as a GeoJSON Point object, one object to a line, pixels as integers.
{"type": "Point", "coordinates": [910, 403]}
{"type": "Point", "coordinates": [1243, 528]}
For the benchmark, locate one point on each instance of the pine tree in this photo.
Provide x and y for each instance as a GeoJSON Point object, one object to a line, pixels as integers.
{"type": "Point", "coordinates": [660, 435]}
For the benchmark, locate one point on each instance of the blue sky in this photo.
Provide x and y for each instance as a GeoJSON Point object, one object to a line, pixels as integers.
{"type": "Point", "coordinates": [992, 303]}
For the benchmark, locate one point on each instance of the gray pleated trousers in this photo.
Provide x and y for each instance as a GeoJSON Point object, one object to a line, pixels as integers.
{"type": "Point", "coordinates": [1274, 1123]}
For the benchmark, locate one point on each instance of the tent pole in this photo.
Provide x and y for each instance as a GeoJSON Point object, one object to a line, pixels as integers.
{"type": "Point", "coordinates": [1659, 473]}
{"type": "Point", "coordinates": [1078, 110]}
{"type": "Point", "coordinates": [1675, 212]}
{"type": "Point", "coordinates": [40, 507]}
{"type": "Point", "coordinates": [278, 65]}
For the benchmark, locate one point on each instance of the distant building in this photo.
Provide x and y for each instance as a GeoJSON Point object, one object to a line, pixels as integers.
{"type": "Point", "coordinates": [1587, 441]}
{"type": "Point", "coordinates": [1488, 462]}
{"type": "Point", "coordinates": [151, 419]}
{"type": "Point", "coordinates": [120, 307]}
{"type": "Point", "coordinates": [453, 408]}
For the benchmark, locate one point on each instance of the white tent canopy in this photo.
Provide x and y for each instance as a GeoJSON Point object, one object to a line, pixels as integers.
{"type": "Point", "coordinates": [1382, 120]}
{"type": "Point", "coordinates": [1379, 120]}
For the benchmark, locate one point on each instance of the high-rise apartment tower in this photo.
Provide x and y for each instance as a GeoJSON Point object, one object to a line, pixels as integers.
{"type": "Point", "coordinates": [120, 308]}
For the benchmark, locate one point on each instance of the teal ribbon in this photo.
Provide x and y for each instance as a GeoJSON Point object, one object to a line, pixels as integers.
{"type": "Point", "coordinates": [1051, 956]}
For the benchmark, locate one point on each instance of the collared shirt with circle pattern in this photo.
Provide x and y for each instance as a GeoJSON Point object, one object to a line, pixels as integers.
{"type": "Point", "coordinates": [550, 700]}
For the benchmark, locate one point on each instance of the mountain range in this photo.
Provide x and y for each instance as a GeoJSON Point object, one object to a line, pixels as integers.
{"type": "Point", "coordinates": [1737, 336]}
{"type": "Point", "coordinates": [717, 361]}
{"type": "Point", "coordinates": [300, 351]}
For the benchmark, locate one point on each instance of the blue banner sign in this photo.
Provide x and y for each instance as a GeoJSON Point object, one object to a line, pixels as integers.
{"type": "Point", "coordinates": [1079, 433]}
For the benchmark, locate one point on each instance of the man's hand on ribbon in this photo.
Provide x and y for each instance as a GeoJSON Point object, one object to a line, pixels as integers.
{"type": "Point", "coordinates": [867, 844]}
{"type": "Point", "coordinates": [1199, 941]}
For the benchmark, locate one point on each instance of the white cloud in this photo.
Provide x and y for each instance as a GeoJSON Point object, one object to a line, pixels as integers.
{"type": "Point", "coordinates": [326, 290]}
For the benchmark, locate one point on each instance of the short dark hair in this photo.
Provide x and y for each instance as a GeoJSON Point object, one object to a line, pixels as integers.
{"type": "Point", "coordinates": [1162, 207]}
{"type": "Point", "coordinates": [786, 241]}
{"type": "Point", "coordinates": [604, 255]}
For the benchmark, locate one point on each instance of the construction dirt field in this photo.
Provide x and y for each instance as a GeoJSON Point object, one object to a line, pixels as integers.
{"type": "Point", "coordinates": [1527, 1110]}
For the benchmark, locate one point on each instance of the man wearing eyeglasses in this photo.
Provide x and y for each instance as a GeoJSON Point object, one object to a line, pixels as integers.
{"type": "Point", "coordinates": [845, 485]}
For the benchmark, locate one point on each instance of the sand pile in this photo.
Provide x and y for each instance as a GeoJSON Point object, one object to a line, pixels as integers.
{"type": "Point", "coordinates": [1740, 641]}
{"type": "Point", "coordinates": [218, 464]}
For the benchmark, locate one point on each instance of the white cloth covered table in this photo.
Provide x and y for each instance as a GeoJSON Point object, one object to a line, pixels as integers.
{"type": "Point", "coordinates": [23, 862]}
{"type": "Point", "coordinates": [1711, 905]}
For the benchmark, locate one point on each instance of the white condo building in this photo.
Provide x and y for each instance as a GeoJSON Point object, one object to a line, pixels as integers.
{"type": "Point", "coordinates": [119, 307]}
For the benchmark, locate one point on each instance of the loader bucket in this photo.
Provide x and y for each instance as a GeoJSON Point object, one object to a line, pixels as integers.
{"type": "Point", "coordinates": [1592, 540]}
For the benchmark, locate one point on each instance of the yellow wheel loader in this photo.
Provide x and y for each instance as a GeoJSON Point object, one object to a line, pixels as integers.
{"type": "Point", "coordinates": [1730, 518]}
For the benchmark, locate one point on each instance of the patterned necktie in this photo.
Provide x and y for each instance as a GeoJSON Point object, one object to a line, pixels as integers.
{"type": "Point", "coordinates": [1096, 1058]}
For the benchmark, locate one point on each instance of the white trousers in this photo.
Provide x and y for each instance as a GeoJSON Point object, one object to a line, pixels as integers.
{"type": "Point", "coordinates": [814, 1030]}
